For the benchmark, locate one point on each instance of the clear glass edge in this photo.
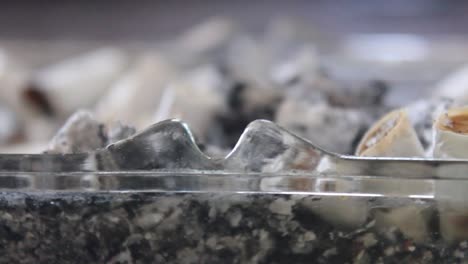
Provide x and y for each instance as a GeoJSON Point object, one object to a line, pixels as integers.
{"type": "Point", "coordinates": [191, 181]}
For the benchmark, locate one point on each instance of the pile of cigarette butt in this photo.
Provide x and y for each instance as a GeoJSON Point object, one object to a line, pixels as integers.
{"type": "Point", "coordinates": [215, 77]}
{"type": "Point", "coordinates": [219, 79]}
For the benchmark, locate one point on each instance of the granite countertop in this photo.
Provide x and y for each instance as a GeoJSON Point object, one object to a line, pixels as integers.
{"type": "Point", "coordinates": [197, 228]}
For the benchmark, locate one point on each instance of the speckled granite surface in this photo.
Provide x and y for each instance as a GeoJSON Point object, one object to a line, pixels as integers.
{"type": "Point", "coordinates": [196, 228]}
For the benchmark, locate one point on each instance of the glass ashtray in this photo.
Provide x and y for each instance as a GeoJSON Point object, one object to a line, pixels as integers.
{"type": "Point", "coordinates": [214, 217]}
{"type": "Point", "coordinates": [275, 198]}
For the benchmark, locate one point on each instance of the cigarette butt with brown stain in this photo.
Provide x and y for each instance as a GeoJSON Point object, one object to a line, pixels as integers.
{"type": "Point", "coordinates": [394, 136]}
{"type": "Point", "coordinates": [62, 88]}
{"type": "Point", "coordinates": [391, 136]}
{"type": "Point", "coordinates": [451, 134]}
{"type": "Point", "coordinates": [451, 141]}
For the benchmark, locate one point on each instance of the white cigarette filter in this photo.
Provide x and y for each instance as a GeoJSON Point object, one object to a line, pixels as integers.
{"type": "Point", "coordinates": [454, 86]}
{"type": "Point", "coordinates": [77, 82]}
{"type": "Point", "coordinates": [394, 136]}
{"type": "Point", "coordinates": [451, 141]}
{"type": "Point", "coordinates": [9, 126]}
{"type": "Point", "coordinates": [133, 97]}
{"type": "Point", "coordinates": [206, 36]}
{"type": "Point", "coordinates": [12, 79]}
{"type": "Point", "coordinates": [196, 99]}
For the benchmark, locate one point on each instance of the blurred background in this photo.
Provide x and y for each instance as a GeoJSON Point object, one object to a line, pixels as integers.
{"type": "Point", "coordinates": [151, 20]}
{"type": "Point", "coordinates": [51, 50]}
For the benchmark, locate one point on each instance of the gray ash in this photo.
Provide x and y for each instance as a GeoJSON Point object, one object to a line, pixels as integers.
{"type": "Point", "coordinates": [366, 94]}
{"type": "Point", "coordinates": [244, 105]}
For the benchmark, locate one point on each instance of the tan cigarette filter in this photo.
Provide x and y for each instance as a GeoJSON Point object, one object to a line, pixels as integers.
{"type": "Point", "coordinates": [394, 136]}
{"type": "Point", "coordinates": [451, 141]}
{"type": "Point", "coordinates": [451, 134]}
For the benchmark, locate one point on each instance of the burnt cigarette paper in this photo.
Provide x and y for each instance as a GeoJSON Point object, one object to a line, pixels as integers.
{"type": "Point", "coordinates": [66, 86]}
